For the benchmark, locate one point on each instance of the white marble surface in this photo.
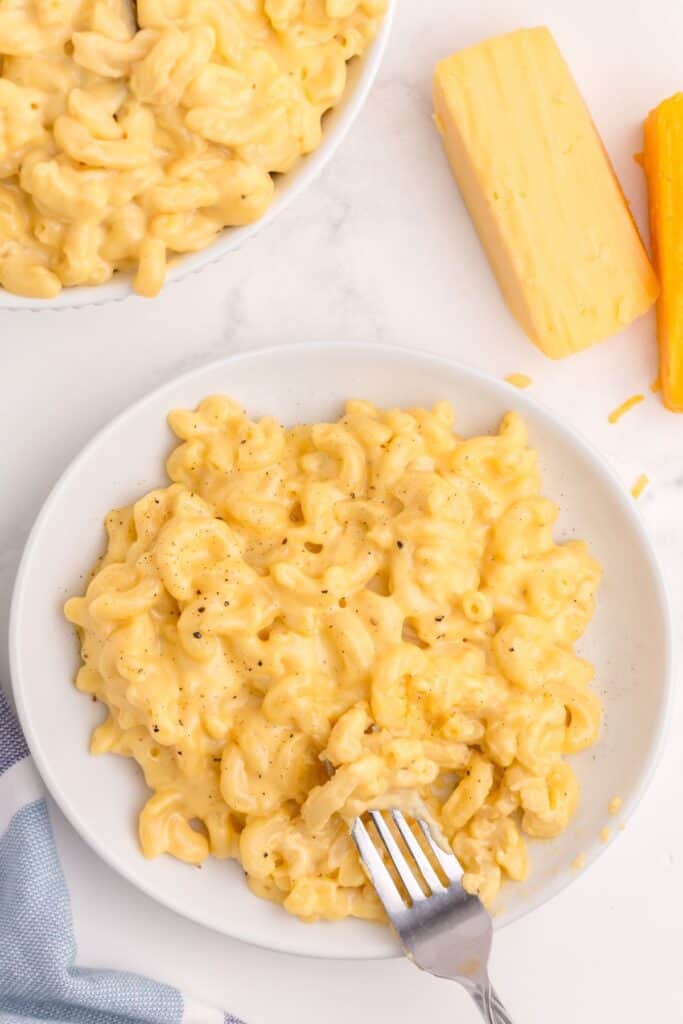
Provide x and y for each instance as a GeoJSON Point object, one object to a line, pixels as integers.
{"type": "Point", "coordinates": [381, 249]}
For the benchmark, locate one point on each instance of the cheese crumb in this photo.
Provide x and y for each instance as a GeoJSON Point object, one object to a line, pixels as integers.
{"type": "Point", "coordinates": [579, 863]}
{"type": "Point", "coordinates": [639, 486]}
{"type": "Point", "coordinates": [615, 805]}
{"type": "Point", "coordinates": [656, 386]}
{"type": "Point", "coordinates": [625, 407]}
{"type": "Point", "coordinates": [519, 380]}
{"type": "Point", "coordinates": [605, 835]}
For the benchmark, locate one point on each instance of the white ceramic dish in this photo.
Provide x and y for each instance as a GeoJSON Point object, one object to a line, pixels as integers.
{"type": "Point", "coordinates": [629, 640]}
{"type": "Point", "coordinates": [362, 74]}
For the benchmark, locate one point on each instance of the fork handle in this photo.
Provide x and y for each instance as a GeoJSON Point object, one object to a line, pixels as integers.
{"type": "Point", "coordinates": [490, 1006]}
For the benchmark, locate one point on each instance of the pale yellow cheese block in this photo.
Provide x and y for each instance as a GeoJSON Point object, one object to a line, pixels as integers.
{"type": "Point", "coordinates": [542, 192]}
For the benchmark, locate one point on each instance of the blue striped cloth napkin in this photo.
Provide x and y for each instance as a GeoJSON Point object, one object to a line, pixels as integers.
{"type": "Point", "coordinates": [39, 980]}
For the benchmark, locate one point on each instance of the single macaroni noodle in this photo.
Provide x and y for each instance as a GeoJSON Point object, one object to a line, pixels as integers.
{"type": "Point", "coordinates": [124, 144]}
{"type": "Point", "coordinates": [314, 621]}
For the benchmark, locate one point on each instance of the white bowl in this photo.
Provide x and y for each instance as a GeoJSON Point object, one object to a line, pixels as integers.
{"type": "Point", "coordinates": [338, 122]}
{"type": "Point", "coordinates": [629, 639]}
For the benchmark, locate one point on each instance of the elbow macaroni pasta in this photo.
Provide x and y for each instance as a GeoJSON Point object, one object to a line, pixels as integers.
{"type": "Point", "coordinates": [315, 621]}
{"type": "Point", "coordinates": [122, 146]}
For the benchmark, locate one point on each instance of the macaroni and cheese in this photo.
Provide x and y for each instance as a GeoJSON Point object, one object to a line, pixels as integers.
{"type": "Point", "coordinates": [314, 621]}
{"type": "Point", "coordinates": [122, 145]}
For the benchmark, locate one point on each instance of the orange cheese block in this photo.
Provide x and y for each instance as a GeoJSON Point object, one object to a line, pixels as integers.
{"type": "Point", "coordinates": [541, 191]}
{"type": "Point", "coordinates": [663, 162]}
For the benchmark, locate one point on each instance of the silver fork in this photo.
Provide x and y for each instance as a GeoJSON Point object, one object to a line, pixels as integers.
{"type": "Point", "coordinates": [447, 932]}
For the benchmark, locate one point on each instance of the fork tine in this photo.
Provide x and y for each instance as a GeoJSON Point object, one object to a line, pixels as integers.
{"type": "Point", "coordinates": [448, 861]}
{"type": "Point", "coordinates": [405, 872]}
{"type": "Point", "coordinates": [379, 874]}
{"type": "Point", "coordinates": [421, 859]}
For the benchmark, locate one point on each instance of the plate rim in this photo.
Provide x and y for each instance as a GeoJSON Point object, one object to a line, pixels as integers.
{"type": "Point", "coordinates": [593, 850]}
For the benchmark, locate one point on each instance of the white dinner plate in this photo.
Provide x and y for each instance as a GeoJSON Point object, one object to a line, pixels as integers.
{"type": "Point", "coordinates": [629, 639]}
{"type": "Point", "coordinates": [337, 124]}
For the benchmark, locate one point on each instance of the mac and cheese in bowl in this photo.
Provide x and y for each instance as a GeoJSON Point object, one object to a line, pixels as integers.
{"type": "Point", "coordinates": [314, 621]}
{"type": "Point", "coordinates": [123, 146]}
